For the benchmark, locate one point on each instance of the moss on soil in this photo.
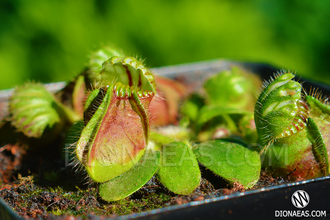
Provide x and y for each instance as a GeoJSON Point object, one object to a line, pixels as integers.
{"type": "Point", "coordinates": [38, 183]}
{"type": "Point", "coordinates": [29, 199]}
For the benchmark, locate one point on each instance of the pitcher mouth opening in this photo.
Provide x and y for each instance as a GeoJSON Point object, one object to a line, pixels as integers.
{"type": "Point", "coordinates": [126, 70]}
{"type": "Point", "coordinates": [126, 92]}
{"type": "Point", "coordinates": [299, 121]}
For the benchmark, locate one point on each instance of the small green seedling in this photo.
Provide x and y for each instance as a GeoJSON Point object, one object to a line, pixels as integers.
{"type": "Point", "coordinates": [229, 96]}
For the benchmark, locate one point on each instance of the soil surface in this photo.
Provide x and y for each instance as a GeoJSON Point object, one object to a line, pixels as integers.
{"type": "Point", "coordinates": [40, 184]}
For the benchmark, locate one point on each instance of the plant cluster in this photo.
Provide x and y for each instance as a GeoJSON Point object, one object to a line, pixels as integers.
{"type": "Point", "coordinates": [126, 126]}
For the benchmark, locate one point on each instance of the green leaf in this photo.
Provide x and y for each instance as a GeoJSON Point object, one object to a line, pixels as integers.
{"type": "Point", "coordinates": [132, 180]}
{"type": "Point", "coordinates": [159, 138]}
{"type": "Point", "coordinates": [191, 106]}
{"type": "Point", "coordinates": [318, 146]}
{"type": "Point", "coordinates": [210, 111]}
{"type": "Point", "coordinates": [179, 171]}
{"type": "Point", "coordinates": [230, 161]}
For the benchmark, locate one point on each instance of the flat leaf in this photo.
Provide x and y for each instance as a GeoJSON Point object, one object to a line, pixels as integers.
{"type": "Point", "coordinates": [179, 171]}
{"type": "Point", "coordinates": [129, 182]}
{"type": "Point", "coordinates": [230, 161]}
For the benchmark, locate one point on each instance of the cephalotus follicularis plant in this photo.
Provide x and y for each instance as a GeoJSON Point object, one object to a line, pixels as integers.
{"type": "Point", "coordinates": [118, 150]}
{"type": "Point", "coordinates": [293, 129]}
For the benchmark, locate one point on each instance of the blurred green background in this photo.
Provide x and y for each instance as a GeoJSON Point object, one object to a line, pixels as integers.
{"type": "Point", "coordinates": [43, 40]}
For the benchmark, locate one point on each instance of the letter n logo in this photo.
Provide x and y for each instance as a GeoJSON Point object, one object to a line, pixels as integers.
{"type": "Point", "coordinates": [300, 199]}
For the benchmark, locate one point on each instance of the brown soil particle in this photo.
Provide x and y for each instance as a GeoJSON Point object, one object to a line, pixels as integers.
{"type": "Point", "coordinates": [32, 201]}
{"type": "Point", "coordinates": [49, 189]}
{"type": "Point", "coordinates": [10, 157]}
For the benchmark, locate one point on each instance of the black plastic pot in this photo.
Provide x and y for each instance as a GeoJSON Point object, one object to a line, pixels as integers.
{"type": "Point", "coordinates": [266, 203]}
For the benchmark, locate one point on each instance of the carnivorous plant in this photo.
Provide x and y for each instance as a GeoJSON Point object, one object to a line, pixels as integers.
{"type": "Point", "coordinates": [119, 151]}
{"type": "Point", "coordinates": [293, 129]}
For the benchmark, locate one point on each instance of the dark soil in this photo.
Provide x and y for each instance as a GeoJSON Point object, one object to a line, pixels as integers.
{"type": "Point", "coordinates": [39, 184]}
